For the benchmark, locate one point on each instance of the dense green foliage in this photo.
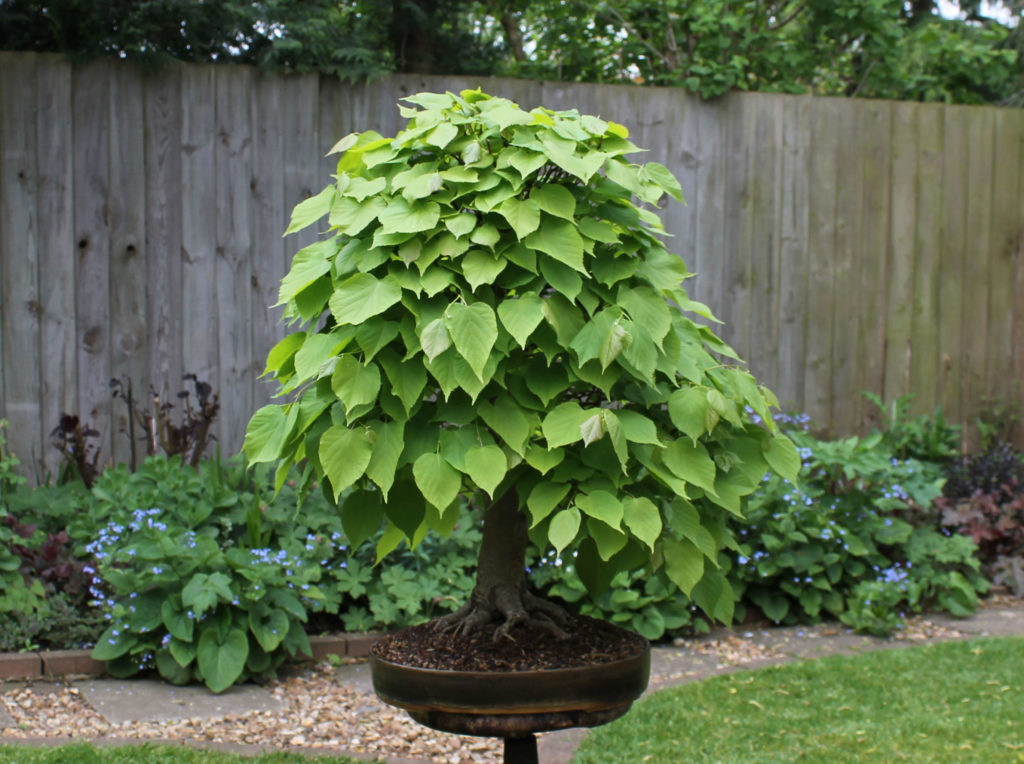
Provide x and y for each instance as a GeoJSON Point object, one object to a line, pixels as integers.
{"type": "Point", "coordinates": [953, 702]}
{"type": "Point", "coordinates": [499, 317]}
{"type": "Point", "coordinates": [868, 48]}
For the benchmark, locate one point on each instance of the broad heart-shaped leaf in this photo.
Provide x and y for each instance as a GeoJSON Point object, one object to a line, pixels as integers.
{"type": "Point", "coordinates": [522, 215]}
{"type": "Point", "coordinates": [401, 216]}
{"type": "Point", "coordinates": [487, 466]}
{"type": "Point", "coordinates": [284, 351]}
{"type": "Point", "coordinates": [362, 296]}
{"type": "Point", "coordinates": [661, 175]}
{"type": "Point", "coordinates": [638, 428]}
{"type": "Point", "coordinates": [481, 267]}
{"type": "Point", "coordinates": [555, 200]}
{"type": "Point", "coordinates": [344, 455]}
{"type": "Point", "coordinates": [521, 316]}
{"type": "Point", "coordinates": [563, 423]}
{"type": "Point", "coordinates": [473, 329]}
{"type": "Point", "coordinates": [387, 439]}
{"type": "Point", "coordinates": [608, 540]}
{"type": "Point", "coordinates": [782, 456]}
{"type": "Point", "coordinates": [643, 519]}
{"type": "Point", "coordinates": [561, 240]}
{"type": "Point", "coordinates": [688, 409]}
{"type": "Point", "coordinates": [647, 308]}
{"type": "Point", "coordinates": [684, 563]}
{"type": "Point", "coordinates": [437, 480]}
{"type": "Point", "coordinates": [462, 224]}
{"type": "Point", "coordinates": [564, 279]}
{"type": "Point", "coordinates": [221, 661]}
{"type": "Point", "coordinates": [590, 339]}
{"type": "Point", "coordinates": [265, 434]}
{"type": "Point", "coordinates": [603, 506]}
{"type": "Point", "coordinates": [434, 339]}
{"type": "Point", "coordinates": [408, 378]}
{"type": "Point", "coordinates": [269, 625]}
{"type": "Point", "coordinates": [309, 264]}
{"type": "Point", "coordinates": [512, 423]}
{"type": "Point", "coordinates": [361, 514]}
{"type": "Point", "coordinates": [715, 596]}
{"type": "Point", "coordinates": [355, 384]}
{"type": "Point", "coordinates": [177, 622]}
{"type": "Point", "coordinates": [543, 460]}
{"type": "Point", "coordinates": [690, 462]}
{"type": "Point", "coordinates": [543, 499]}
{"type": "Point", "coordinates": [563, 529]}
{"type": "Point", "coordinates": [311, 210]}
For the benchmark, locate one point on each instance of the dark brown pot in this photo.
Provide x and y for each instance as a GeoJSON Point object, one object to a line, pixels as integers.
{"type": "Point", "coordinates": [513, 703]}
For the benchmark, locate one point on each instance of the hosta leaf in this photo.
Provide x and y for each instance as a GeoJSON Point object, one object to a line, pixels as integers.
{"type": "Point", "coordinates": [603, 506]}
{"type": "Point", "coordinates": [643, 519]}
{"type": "Point", "coordinates": [561, 240]}
{"type": "Point", "coordinates": [362, 296]}
{"type": "Point", "coordinates": [355, 384]}
{"type": "Point", "coordinates": [473, 329]}
{"type": "Point", "coordinates": [522, 215]}
{"type": "Point", "coordinates": [486, 465]}
{"type": "Point", "coordinates": [434, 338]}
{"type": "Point", "coordinates": [564, 527]}
{"type": "Point", "coordinates": [437, 480]}
{"type": "Point", "coordinates": [344, 455]}
{"type": "Point", "coordinates": [520, 316]}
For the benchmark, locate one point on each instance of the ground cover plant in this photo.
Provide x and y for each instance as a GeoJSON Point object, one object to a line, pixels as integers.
{"type": "Point", "coordinates": [493, 315]}
{"type": "Point", "coordinates": [954, 702]}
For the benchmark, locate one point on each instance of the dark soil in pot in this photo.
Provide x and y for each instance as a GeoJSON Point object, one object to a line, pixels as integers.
{"type": "Point", "coordinates": [590, 642]}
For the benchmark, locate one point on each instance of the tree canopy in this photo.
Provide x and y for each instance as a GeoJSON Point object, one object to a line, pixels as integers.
{"type": "Point", "coordinates": [869, 48]}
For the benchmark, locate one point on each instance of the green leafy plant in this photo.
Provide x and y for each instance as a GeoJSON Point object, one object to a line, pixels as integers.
{"type": "Point", "coordinates": [17, 593]}
{"type": "Point", "coordinates": [491, 314]}
{"type": "Point", "coordinates": [926, 437]}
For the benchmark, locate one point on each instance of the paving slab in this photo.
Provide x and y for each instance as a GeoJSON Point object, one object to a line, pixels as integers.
{"type": "Point", "coordinates": [150, 700]}
{"type": "Point", "coordinates": [355, 675]}
{"type": "Point", "coordinates": [986, 622]}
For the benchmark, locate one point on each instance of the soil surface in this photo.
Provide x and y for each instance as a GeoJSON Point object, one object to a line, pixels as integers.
{"type": "Point", "coordinates": [530, 649]}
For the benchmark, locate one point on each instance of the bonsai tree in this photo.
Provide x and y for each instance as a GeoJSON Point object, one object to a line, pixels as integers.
{"type": "Point", "coordinates": [492, 313]}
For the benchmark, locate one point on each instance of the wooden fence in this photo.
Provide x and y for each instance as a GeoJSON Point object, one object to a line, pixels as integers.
{"type": "Point", "coordinates": [849, 245]}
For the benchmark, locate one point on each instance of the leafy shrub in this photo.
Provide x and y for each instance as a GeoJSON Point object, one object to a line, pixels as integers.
{"type": "Point", "coordinates": [17, 595]}
{"type": "Point", "coordinates": [925, 437]}
{"type": "Point", "coordinates": [997, 470]}
{"type": "Point", "coordinates": [62, 622]}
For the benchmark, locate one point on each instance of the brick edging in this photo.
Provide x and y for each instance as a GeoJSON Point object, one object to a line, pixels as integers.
{"type": "Point", "coordinates": [49, 664]}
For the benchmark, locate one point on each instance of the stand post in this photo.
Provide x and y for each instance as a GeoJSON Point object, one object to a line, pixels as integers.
{"type": "Point", "coordinates": [521, 750]}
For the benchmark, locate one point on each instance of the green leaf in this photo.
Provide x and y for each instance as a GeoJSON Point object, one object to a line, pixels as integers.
{"type": "Point", "coordinates": [637, 428]}
{"type": "Point", "coordinates": [473, 329]}
{"type": "Point", "coordinates": [351, 216]}
{"type": "Point", "coordinates": [221, 661]}
{"type": "Point", "coordinates": [542, 459]}
{"type": "Point", "coordinates": [664, 178]}
{"type": "Point", "coordinates": [401, 216]}
{"type": "Point", "coordinates": [461, 224]}
{"type": "Point", "coordinates": [374, 335]}
{"type": "Point", "coordinates": [442, 135]}
{"type": "Point", "coordinates": [311, 360]}
{"type": "Point", "coordinates": [362, 296]}
{"type": "Point", "coordinates": [387, 439]}
{"type": "Point", "coordinates": [487, 466]}
{"type": "Point", "coordinates": [309, 264]}
{"type": "Point", "coordinates": [265, 434]}
{"type": "Point", "coordinates": [555, 200]}
{"type": "Point", "coordinates": [715, 597]}
{"type": "Point", "coordinates": [684, 563]}
{"type": "Point", "coordinates": [562, 424]}
{"type": "Point", "coordinates": [560, 240]}
{"type": "Point", "coordinates": [615, 341]}
{"type": "Point", "coordinates": [563, 529]}
{"type": "Point", "coordinates": [434, 339]}
{"type": "Point", "coordinates": [269, 626]}
{"type": "Point", "coordinates": [344, 455]}
{"type": "Point", "coordinates": [543, 499]}
{"type": "Point", "coordinates": [481, 267]}
{"type": "Point", "coordinates": [311, 210]}
{"type": "Point", "coordinates": [647, 308]}
{"type": "Point", "coordinates": [361, 514]}
{"type": "Point", "coordinates": [513, 424]}
{"type": "Point", "coordinates": [593, 428]}
{"type": "Point", "coordinates": [408, 378]}
{"type": "Point", "coordinates": [563, 278]}
{"type": "Point", "coordinates": [522, 215]}
{"type": "Point", "coordinates": [603, 506]}
{"type": "Point", "coordinates": [690, 462]}
{"type": "Point", "coordinates": [284, 351]}
{"type": "Point", "coordinates": [608, 540]}
{"type": "Point", "coordinates": [521, 316]}
{"type": "Point", "coordinates": [437, 480]}
{"type": "Point", "coordinates": [782, 456]}
{"type": "Point", "coordinates": [485, 235]}
{"type": "Point", "coordinates": [643, 519]}
{"type": "Point", "coordinates": [688, 409]}
{"type": "Point", "coordinates": [355, 384]}
{"type": "Point", "coordinates": [614, 429]}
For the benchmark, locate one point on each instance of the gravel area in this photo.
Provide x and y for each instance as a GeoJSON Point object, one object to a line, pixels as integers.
{"type": "Point", "coordinates": [319, 714]}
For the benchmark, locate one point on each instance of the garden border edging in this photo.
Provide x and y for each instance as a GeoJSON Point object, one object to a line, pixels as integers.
{"type": "Point", "coordinates": [49, 664]}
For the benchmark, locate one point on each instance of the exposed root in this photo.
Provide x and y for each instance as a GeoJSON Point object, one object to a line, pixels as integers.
{"type": "Point", "coordinates": [511, 609]}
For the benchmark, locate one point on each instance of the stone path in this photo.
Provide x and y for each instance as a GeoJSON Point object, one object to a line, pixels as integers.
{"type": "Point", "coordinates": [110, 709]}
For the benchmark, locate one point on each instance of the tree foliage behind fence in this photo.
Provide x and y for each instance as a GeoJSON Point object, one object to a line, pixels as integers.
{"type": "Point", "coordinates": [848, 245]}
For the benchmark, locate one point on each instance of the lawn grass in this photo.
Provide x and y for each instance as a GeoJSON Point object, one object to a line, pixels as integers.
{"type": "Point", "coordinates": [949, 702]}
{"type": "Point", "coordinates": [150, 753]}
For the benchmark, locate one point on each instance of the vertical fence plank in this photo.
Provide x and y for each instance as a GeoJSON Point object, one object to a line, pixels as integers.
{"type": "Point", "coordinates": [923, 371]}
{"type": "Point", "coordinates": [951, 249]}
{"type": "Point", "coordinates": [794, 236]}
{"type": "Point", "coordinates": [200, 352]}
{"type": "Point", "coordinates": [302, 151]}
{"type": "Point", "coordinates": [269, 220]}
{"type": "Point", "coordinates": [1016, 365]}
{"type": "Point", "coordinates": [91, 166]}
{"type": "Point", "coordinates": [876, 127]}
{"type": "Point", "coordinates": [234, 274]}
{"type": "Point", "coordinates": [710, 217]}
{"type": "Point", "coordinates": [846, 268]}
{"type": "Point", "coordinates": [680, 219]}
{"type": "Point", "coordinates": [1006, 246]}
{"type": "Point", "coordinates": [978, 259]}
{"type": "Point", "coordinates": [164, 198]}
{"type": "Point", "coordinates": [824, 177]}
{"type": "Point", "coordinates": [126, 205]}
{"type": "Point", "coordinates": [900, 274]}
{"type": "Point", "coordinates": [57, 356]}
{"type": "Point", "coordinates": [19, 259]}
{"type": "Point", "coordinates": [737, 242]}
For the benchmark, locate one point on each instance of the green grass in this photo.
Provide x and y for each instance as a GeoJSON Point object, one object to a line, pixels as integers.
{"type": "Point", "coordinates": [951, 702]}
{"type": "Point", "coordinates": [148, 753]}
